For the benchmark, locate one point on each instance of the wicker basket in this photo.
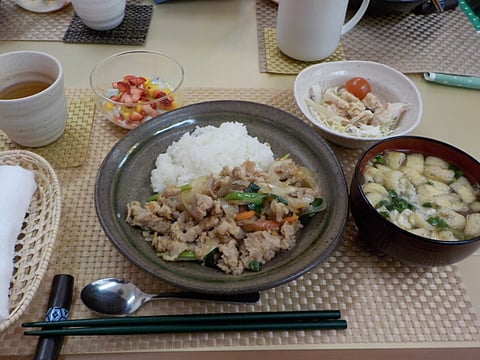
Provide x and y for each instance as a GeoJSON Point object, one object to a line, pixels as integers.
{"type": "Point", "coordinates": [36, 241]}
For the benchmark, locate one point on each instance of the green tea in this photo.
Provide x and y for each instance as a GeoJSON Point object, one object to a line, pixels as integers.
{"type": "Point", "coordinates": [23, 89]}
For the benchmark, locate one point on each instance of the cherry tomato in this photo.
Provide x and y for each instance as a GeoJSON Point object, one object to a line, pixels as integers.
{"type": "Point", "coordinates": [358, 86]}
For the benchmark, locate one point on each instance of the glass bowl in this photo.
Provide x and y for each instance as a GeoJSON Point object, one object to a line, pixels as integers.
{"type": "Point", "coordinates": [133, 87]}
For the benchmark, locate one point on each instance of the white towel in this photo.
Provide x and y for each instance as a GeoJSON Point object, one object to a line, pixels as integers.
{"type": "Point", "coordinates": [17, 186]}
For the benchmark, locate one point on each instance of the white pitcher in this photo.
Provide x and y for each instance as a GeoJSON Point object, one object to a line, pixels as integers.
{"type": "Point", "coordinates": [310, 30]}
{"type": "Point", "coordinates": [100, 14]}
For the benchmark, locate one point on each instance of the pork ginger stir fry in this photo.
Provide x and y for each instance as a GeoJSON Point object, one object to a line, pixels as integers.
{"type": "Point", "coordinates": [235, 221]}
{"type": "Point", "coordinates": [362, 114]}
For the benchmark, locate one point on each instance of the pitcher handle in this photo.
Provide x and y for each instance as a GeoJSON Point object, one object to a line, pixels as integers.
{"type": "Point", "coordinates": [356, 18]}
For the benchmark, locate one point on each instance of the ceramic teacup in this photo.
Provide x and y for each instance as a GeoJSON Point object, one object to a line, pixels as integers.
{"type": "Point", "coordinates": [100, 14]}
{"type": "Point", "coordinates": [33, 105]}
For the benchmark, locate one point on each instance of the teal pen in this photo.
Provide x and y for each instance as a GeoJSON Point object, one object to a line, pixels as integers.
{"type": "Point", "coordinates": [468, 82]}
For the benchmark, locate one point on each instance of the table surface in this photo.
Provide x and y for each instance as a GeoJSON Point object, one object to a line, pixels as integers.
{"type": "Point", "coordinates": [216, 41]}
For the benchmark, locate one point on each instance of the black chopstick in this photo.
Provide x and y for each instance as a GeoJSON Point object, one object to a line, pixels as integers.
{"type": "Point", "coordinates": [288, 320]}
{"type": "Point", "coordinates": [182, 328]}
{"type": "Point", "coordinates": [280, 316]}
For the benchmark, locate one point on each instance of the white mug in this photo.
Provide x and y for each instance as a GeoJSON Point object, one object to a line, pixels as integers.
{"type": "Point", "coordinates": [100, 14]}
{"type": "Point", "coordinates": [33, 105]}
{"type": "Point", "coordinates": [310, 30]}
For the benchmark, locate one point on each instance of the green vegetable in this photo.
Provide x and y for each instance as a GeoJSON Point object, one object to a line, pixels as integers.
{"type": "Point", "coordinates": [254, 265]}
{"type": "Point", "coordinates": [428, 205]}
{"type": "Point", "coordinates": [211, 258]}
{"type": "Point", "coordinates": [257, 207]}
{"type": "Point", "coordinates": [187, 255]}
{"type": "Point", "coordinates": [153, 197]}
{"type": "Point", "coordinates": [315, 207]}
{"type": "Point", "coordinates": [383, 202]}
{"type": "Point", "coordinates": [278, 198]}
{"type": "Point", "coordinates": [379, 159]}
{"type": "Point", "coordinates": [396, 202]}
{"type": "Point", "coordinates": [253, 200]}
{"type": "Point", "coordinates": [385, 214]}
{"type": "Point", "coordinates": [185, 187]}
{"type": "Point", "coordinates": [458, 172]}
{"type": "Point", "coordinates": [252, 188]}
{"type": "Point", "coordinates": [459, 234]}
{"type": "Point", "coordinates": [438, 222]}
{"type": "Point", "coordinates": [392, 193]}
{"type": "Point", "coordinates": [244, 198]}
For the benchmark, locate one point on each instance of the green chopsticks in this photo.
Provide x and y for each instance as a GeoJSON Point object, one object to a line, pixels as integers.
{"type": "Point", "coordinates": [180, 328]}
{"type": "Point", "coordinates": [256, 321]}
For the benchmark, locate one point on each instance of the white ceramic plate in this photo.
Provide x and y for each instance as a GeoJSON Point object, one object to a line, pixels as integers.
{"type": "Point", "coordinates": [388, 84]}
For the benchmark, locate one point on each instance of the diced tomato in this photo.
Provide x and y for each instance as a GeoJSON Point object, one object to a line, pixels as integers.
{"type": "Point", "coordinates": [166, 103]}
{"type": "Point", "coordinates": [135, 116]}
{"type": "Point", "coordinates": [137, 94]}
{"type": "Point", "coordinates": [127, 99]}
{"type": "Point", "coordinates": [134, 80]}
{"type": "Point", "coordinates": [158, 94]}
{"type": "Point", "coordinates": [122, 86]}
{"type": "Point", "coordinates": [148, 109]}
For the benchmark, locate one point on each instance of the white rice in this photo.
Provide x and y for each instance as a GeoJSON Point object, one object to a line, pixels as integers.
{"type": "Point", "coordinates": [206, 151]}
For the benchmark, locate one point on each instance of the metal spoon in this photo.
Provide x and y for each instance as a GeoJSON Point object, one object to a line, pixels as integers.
{"type": "Point", "coordinates": [112, 296]}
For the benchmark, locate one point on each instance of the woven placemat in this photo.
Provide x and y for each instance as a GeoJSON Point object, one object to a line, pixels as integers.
{"type": "Point", "coordinates": [132, 31]}
{"type": "Point", "coordinates": [72, 147]}
{"type": "Point", "coordinates": [383, 301]}
{"type": "Point", "coordinates": [20, 24]}
{"type": "Point", "coordinates": [277, 62]}
{"type": "Point", "coordinates": [441, 42]}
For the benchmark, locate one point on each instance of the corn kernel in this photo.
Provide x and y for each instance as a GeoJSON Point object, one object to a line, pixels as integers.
{"type": "Point", "coordinates": [125, 112]}
{"type": "Point", "coordinates": [151, 89]}
{"type": "Point", "coordinates": [108, 106]}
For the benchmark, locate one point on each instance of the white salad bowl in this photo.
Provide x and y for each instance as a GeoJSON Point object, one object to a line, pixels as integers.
{"type": "Point", "coordinates": [387, 84]}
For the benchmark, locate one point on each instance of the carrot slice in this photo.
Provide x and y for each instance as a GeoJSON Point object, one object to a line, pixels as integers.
{"type": "Point", "coordinates": [244, 215]}
{"type": "Point", "coordinates": [290, 219]}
